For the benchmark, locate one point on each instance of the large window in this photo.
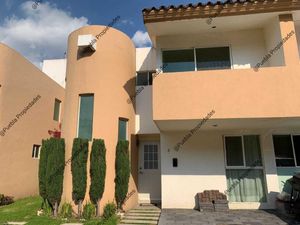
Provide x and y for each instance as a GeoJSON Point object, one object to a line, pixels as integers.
{"type": "Point", "coordinates": [213, 58]}
{"type": "Point", "coordinates": [179, 60]}
{"type": "Point", "coordinates": [86, 111]}
{"type": "Point", "coordinates": [196, 59]}
{"type": "Point", "coordinates": [56, 114]}
{"type": "Point", "coordinates": [144, 78]}
{"type": "Point", "coordinates": [122, 133]}
{"type": "Point", "coordinates": [244, 169]}
{"type": "Point", "coordinates": [287, 150]}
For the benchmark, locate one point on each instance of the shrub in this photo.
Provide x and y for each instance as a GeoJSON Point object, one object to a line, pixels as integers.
{"type": "Point", "coordinates": [6, 200]}
{"type": "Point", "coordinates": [122, 166]}
{"type": "Point", "coordinates": [78, 168]}
{"type": "Point", "coordinates": [97, 172]}
{"type": "Point", "coordinates": [43, 169]}
{"type": "Point", "coordinates": [66, 210]}
{"type": "Point", "coordinates": [109, 210]}
{"type": "Point", "coordinates": [111, 221]}
{"type": "Point", "coordinates": [55, 172]}
{"type": "Point", "coordinates": [89, 211]}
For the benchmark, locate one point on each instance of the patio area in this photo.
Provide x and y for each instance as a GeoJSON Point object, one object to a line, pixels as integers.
{"type": "Point", "coordinates": [233, 217]}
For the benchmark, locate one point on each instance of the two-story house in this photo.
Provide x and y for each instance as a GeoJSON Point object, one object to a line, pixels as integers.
{"type": "Point", "coordinates": [214, 104]}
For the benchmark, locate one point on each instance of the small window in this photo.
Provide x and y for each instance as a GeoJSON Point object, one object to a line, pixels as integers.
{"type": "Point", "coordinates": [287, 150]}
{"type": "Point", "coordinates": [35, 152]}
{"type": "Point", "coordinates": [144, 78]}
{"type": "Point", "coordinates": [122, 134]}
{"type": "Point", "coordinates": [56, 114]}
{"type": "Point", "coordinates": [86, 111]}
{"type": "Point", "coordinates": [150, 157]}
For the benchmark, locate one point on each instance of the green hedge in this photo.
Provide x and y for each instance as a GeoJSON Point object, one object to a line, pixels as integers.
{"type": "Point", "coordinates": [122, 166]}
{"type": "Point", "coordinates": [97, 171]}
{"type": "Point", "coordinates": [79, 170]}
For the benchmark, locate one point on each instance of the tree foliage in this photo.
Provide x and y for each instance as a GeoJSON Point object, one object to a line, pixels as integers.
{"type": "Point", "coordinates": [79, 170]}
{"type": "Point", "coordinates": [97, 171]}
{"type": "Point", "coordinates": [122, 166]}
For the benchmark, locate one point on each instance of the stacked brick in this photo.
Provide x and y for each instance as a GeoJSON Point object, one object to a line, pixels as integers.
{"type": "Point", "coordinates": [213, 200]}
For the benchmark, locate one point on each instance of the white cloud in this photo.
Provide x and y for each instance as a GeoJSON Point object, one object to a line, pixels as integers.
{"type": "Point", "coordinates": [41, 33]}
{"type": "Point", "coordinates": [141, 39]}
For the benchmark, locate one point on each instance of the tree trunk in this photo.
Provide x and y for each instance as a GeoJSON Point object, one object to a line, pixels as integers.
{"type": "Point", "coordinates": [79, 208]}
{"type": "Point", "coordinates": [97, 209]}
{"type": "Point", "coordinates": [55, 209]}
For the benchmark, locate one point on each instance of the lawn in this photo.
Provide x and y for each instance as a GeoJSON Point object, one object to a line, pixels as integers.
{"type": "Point", "coordinates": [25, 210]}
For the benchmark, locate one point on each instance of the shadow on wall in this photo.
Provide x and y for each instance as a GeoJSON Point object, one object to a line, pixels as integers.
{"type": "Point", "coordinates": [84, 52]}
{"type": "Point", "coordinates": [129, 87]}
{"type": "Point", "coordinates": [134, 158]}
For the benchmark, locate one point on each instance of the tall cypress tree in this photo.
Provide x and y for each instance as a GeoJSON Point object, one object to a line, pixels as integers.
{"type": "Point", "coordinates": [43, 169]}
{"type": "Point", "coordinates": [122, 166]}
{"type": "Point", "coordinates": [79, 171]}
{"type": "Point", "coordinates": [97, 172]}
{"type": "Point", "coordinates": [55, 172]}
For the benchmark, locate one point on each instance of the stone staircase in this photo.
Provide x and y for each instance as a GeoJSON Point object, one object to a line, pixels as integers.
{"type": "Point", "coordinates": [144, 214]}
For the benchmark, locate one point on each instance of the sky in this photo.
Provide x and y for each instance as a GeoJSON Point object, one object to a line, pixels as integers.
{"type": "Point", "coordinates": [39, 29]}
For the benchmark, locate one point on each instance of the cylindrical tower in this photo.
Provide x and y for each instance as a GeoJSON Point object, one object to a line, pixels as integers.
{"type": "Point", "coordinates": [98, 87]}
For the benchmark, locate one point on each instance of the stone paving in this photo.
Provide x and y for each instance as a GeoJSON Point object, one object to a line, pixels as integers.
{"type": "Point", "coordinates": [233, 217]}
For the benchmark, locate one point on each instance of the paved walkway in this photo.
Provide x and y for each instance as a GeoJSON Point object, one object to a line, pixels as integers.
{"type": "Point", "coordinates": [233, 217]}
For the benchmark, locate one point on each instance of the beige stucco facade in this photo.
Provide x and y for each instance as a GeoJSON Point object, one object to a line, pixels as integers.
{"type": "Point", "coordinates": [22, 84]}
{"type": "Point", "coordinates": [109, 74]}
{"type": "Point", "coordinates": [247, 100]}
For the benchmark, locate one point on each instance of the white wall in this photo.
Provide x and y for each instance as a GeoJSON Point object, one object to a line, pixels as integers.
{"type": "Point", "coordinates": [56, 69]}
{"type": "Point", "coordinates": [247, 47]}
{"type": "Point", "coordinates": [145, 61]}
{"type": "Point", "coordinates": [201, 166]}
{"type": "Point", "coordinates": [272, 37]}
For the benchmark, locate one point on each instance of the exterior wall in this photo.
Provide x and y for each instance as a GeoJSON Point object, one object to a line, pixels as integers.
{"type": "Point", "coordinates": [56, 69]}
{"type": "Point", "coordinates": [254, 94]}
{"type": "Point", "coordinates": [247, 47]}
{"type": "Point", "coordinates": [145, 61]}
{"type": "Point", "coordinates": [109, 74]}
{"type": "Point", "coordinates": [21, 82]}
{"type": "Point", "coordinates": [272, 38]}
{"type": "Point", "coordinates": [201, 165]}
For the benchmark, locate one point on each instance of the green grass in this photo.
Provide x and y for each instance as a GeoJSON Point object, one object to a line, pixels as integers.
{"type": "Point", "coordinates": [25, 210]}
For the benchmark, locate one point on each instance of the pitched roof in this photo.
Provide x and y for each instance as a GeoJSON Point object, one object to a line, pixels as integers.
{"type": "Point", "coordinates": [209, 9]}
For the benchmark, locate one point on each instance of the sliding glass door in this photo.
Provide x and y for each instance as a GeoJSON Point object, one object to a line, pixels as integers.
{"type": "Point", "coordinates": [244, 169]}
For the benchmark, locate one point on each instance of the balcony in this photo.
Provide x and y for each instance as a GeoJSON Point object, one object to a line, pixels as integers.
{"type": "Point", "coordinates": [241, 98]}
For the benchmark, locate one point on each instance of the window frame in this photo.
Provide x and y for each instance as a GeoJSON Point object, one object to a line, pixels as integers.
{"type": "Point", "coordinates": [59, 110]}
{"type": "Point", "coordinates": [243, 151]}
{"type": "Point", "coordinates": [153, 160]}
{"type": "Point", "coordinates": [34, 149]}
{"type": "Point", "coordinates": [293, 148]}
{"type": "Point", "coordinates": [195, 55]}
{"type": "Point", "coordinates": [149, 73]}
{"type": "Point", "coordinates": [78, 113]}
{"type": "Point", "coordinates": [127, 128]}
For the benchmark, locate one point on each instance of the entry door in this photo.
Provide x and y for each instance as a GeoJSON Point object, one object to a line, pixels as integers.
{"type": "Point", "coordinates": [149, 173]}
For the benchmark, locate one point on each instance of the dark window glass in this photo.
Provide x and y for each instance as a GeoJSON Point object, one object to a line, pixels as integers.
{"type": "Point", "coordinates": [86, 116]}
{"type": "Point", "coordinates": [252, 150]}
{"type": "Point", "coordinates": [213, 58]}
{"type": "Point", "coordinates": [234, 151]}
{"type": "Point", "coordinates": [142, 79]}
{"type": "Point", "coordinates": [35, 151]}
{"type": "Point", "coordinates": [283, 150]}
{"type": "Point", "coordinates": [122, 129]}
{"type": "Point", "coordinates": [56, 109]}
{"type": "Point", "coordinates": [178, 60]}
{"type": "Point", "coordinates": [296, 140]}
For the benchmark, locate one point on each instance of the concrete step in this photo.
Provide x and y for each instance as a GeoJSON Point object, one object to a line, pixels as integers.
{"type": "Point", "coordinates": [145, 210]}
{"type": "Point", "coordinates": [139, 221]}
{"type": "Point", "coordinates": [141, 217]}
{"type": "Point", "coordinates": [142, 214]}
